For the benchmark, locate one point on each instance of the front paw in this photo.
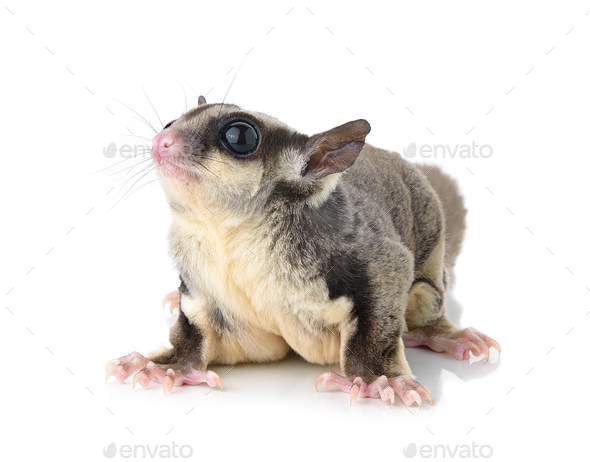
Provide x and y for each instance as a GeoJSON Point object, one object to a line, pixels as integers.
{"type": "Point", "coordinates": [145, 371]}
{"type": "Point", "coordinates": [385, 388]}
{"type": "Point", "coordinates": [174, 299]}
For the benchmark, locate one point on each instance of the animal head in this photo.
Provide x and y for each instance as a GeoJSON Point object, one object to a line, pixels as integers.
{"type": "Point", "coordinates": [223, 159]}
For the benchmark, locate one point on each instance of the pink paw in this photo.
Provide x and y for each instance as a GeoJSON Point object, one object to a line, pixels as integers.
{"type": "Point", "coordinates": [173, 298]}
{"type": "Point", "coordinates": [470, 339]}
{"type": "Point", "coordinates": [458, 345]}
{"type": "Point", "coordinates": [145, 371]}
{"type": "Point", "coordinates": [125, 366]}
{"type": "Point", "coordinates": [405, 386]}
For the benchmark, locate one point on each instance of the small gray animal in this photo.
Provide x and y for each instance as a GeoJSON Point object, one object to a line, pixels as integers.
{"type": "Point", "coordinates": [325, 245]}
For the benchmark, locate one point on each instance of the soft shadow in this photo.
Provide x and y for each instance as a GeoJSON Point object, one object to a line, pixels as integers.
{"type": "Point", "coordinates": [454, 308]}
{"type": "Point", "coordinates": [428, 365]}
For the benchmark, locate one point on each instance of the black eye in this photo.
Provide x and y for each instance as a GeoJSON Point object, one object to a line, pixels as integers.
{"type": "Point", "coordinates": [239, 138]}
{"type": "Point", "coordinates": [168, 124]}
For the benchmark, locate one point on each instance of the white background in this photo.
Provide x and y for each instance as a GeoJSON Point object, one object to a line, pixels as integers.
{"type": "Point", "coordinates": [84, 284]}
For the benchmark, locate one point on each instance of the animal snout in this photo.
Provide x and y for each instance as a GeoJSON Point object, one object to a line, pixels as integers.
{"type": "Point", "coordinates": [164, 145]}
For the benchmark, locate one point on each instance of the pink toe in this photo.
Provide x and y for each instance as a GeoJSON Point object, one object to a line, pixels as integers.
{"type": "Point", "coordinates": [331, 378]}
{"type": "Point", "coordinates": [173, 298]}
{"type": "Point", "coordinates": [167, 383]}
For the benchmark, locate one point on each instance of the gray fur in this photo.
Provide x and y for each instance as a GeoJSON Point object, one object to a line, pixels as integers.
{"type": "Point", "coordinates": [454, 210]}
{"type": "Point", "coordinates": [358, 233]}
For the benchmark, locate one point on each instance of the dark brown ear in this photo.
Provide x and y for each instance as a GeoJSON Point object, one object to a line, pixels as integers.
{"type": "Point", "coordinates": [202, 100]}
{"type": "Point", "coordinates": [335, 150]}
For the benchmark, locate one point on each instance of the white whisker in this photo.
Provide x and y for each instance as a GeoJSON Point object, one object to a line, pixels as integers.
{"type": "Point", "coordinates": [149, 167]}
{"type": "Point", "coordinates": [231, 83]}
{"type": "Point", "coordinates": [149, 101]}
{"type": "Point", "coordinates": [142, 117]}
{"type": "Point", "coordinates": [129, 166]}
{"type": "Point", "coordinates": [184, 91]}
{"type": "Point", "coordinates": [131, 187]}
{"type": "Point", "coordinates": [196, 94]}
{"type": "Point", "coordinates": [151, 181]}
{"type": "Point", "coordinates": [124, 160]}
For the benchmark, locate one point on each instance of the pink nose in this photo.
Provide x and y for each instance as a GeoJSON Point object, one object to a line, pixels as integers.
{"type": "Point", "coordinates": [163, 144]}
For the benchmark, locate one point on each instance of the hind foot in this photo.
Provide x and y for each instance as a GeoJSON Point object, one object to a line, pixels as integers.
{"type": "Point", "coordinates": [458, 344]}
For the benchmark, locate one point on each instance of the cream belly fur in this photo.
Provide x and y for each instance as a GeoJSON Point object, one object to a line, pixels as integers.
{"type": "Point", "coordinates": [271, 312]}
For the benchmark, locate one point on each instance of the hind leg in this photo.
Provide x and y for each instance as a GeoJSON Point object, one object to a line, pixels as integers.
{"type": "Point", "coordinates": [426, 321]}
{"type": "Point", "coordinates": [428, 325]}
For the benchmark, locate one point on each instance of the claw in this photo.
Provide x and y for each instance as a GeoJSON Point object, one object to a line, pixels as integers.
{"type": "Point", "coordinates": [112, 363]}
{"type": "Point", "coordinates": [331, 378]}
{"type": "Point", "coordinates": [381, 388]}
{"type": "Point", "coordinates": [168, 381]}
{"type": "Point", "coordinates": [355, 389]}
{"type": "Point", "coordinates": [215, 380]}
{"type": "Point", "coordinates": [195, 377]}
{"type": "Point", "coordinates": [409, 390]}
{"type": "Point", "coordinates": [354, 392]}
{"type": "Point", "coordinates": [487, 343]}
{"type": "Point", "coordinates": [113, 372]}
{"type": "Point", "coordinates": [135, 380]}
{"type": "Point", "coordinates": [391, 396]}
{"type": "Point", "coordinates": [173, 299]}
{"type": "Point", "coordinates": [319, 380]}
{"type": "Point", "coordinates": [494, 344]}
{"type": "Point", "coordinates": [417, 398]}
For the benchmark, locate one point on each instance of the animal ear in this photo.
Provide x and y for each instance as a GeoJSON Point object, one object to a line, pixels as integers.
{"type": "Point", "coordinates": [335, 150]}
{"type": "Point", "coordinates": [202, 100]}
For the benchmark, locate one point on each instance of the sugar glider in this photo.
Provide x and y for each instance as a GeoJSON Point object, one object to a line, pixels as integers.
{"type": "Point", "coordinates": [322, 244]}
